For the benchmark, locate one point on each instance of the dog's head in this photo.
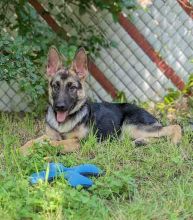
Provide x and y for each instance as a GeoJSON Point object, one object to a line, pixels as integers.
{"type": "Point", "coordinates": [66, 85]}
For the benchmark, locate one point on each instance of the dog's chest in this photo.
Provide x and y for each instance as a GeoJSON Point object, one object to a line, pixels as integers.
{"type": "Point", "coordinates": [79, 132]}
{"type": "Point", "coordinates": [73, 125]}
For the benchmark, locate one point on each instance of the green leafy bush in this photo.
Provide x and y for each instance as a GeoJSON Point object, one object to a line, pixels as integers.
{"type": "Point", "coordinates": [177, 106]}
{"type": "Point", "coordinates": [173, 95]}
{"type": "Point", "coordinates": [23, 60]}
{"type": "Point", "coordinates": [18, 64]}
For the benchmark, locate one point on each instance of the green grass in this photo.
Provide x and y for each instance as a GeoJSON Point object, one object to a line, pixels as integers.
{"type": "Point", "coordinates": [152, 182]}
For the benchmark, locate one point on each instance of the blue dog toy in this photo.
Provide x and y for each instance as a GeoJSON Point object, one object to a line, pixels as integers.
{"type": "Point", "coordinates": [76, 175]}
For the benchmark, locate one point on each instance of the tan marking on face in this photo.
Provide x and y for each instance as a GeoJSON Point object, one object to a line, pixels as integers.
{"type": "Point", "coordinates": [81, 93]}
{"type": "Point", "coordinates": [71, 80]}
{"type": "Point", "coordinates": [50, 94]}
{"type": "Point", "coordinates": [71, 71]}
{"type": "Point", "coordinates": [63, 82]}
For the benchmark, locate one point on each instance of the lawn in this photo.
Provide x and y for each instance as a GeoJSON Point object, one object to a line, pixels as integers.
{"type": "Point", "coordinates": [151, 182]}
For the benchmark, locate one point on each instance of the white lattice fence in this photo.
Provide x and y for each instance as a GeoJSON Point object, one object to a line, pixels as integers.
{"type": "Point", "coordinates": [168, 29]}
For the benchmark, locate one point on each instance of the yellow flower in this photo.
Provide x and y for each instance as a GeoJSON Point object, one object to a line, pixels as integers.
{"type": "Point", "coordinates": [171, 110]}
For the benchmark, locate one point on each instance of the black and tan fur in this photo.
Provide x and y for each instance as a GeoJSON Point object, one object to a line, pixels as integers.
{"type": "Point", "coordinates": [70, 115]}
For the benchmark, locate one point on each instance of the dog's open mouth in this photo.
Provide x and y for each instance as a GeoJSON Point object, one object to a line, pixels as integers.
{"type": "Point", "coordinates": [61, 116]}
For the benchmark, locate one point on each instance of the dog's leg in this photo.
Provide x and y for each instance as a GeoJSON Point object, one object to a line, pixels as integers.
{"type": "Point", "coordinates": [172, 131]}
{"type": "Point", "coordinates": [24, 149]}
{"type": "Point", "coordinates": [68, 145]}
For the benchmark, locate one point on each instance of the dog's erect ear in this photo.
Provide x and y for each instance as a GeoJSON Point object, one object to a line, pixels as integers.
{"type": "Point", "coordinates": [79, 64]}
{"type": "Point", "coordinates": [54, 62]}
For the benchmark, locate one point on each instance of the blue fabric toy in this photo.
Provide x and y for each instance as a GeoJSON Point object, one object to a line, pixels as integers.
{"type": "Point", "coordinates": [75, 176]}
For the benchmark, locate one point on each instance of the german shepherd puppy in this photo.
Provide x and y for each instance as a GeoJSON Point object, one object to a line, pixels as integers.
{"type": "Point", "coordinates": [70, 115]}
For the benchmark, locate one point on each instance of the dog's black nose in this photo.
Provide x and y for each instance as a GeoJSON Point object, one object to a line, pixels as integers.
{"type": "Point", "coordinates": [61, 106]}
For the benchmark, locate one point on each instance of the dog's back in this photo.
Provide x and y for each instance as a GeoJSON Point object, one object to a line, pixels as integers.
{"type": "Point", "coordinates": [111, 118]}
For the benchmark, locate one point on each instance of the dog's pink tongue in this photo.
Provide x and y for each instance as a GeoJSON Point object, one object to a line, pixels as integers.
{"type": "Point", "coordinates": [61, 116]}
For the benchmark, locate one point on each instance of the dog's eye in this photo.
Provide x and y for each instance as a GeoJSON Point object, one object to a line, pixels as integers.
{"type": "Point", "coordinates": [73, 88]}
{"type": "Point", "coordinates": [56, 86]}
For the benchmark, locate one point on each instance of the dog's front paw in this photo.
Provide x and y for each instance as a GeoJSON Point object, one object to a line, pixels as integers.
{"type": "Point", "coordinates": [25, 148]}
